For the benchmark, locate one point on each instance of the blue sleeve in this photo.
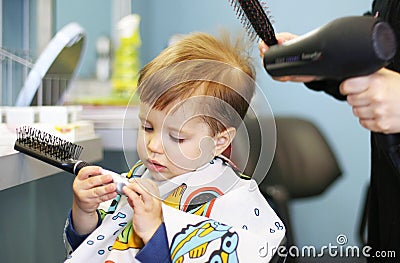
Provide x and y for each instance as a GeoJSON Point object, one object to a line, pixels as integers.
{"type": "Point", "coordinates": [74, 239]}
{"type": "Point", "coordinates": [157, 249]}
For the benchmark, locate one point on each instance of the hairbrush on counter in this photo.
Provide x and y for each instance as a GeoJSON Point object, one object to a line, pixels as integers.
{"type": "Point", "coordinates": [57, 152]}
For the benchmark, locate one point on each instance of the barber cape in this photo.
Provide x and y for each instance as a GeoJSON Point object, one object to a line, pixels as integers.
{"type": "Point", "coordinates": [211, 215]}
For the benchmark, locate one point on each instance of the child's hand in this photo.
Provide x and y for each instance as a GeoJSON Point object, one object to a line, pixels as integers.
{"type": "Point", "coordinates": [144, 197]}
{"type": "Point", "coordinates": [90, 189]}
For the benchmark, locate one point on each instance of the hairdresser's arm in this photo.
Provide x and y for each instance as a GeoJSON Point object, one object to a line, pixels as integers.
{"type": "Point", "coordinates": [90, 188]}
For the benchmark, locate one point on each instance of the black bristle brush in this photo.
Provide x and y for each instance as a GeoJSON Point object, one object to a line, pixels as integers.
{"type": "Point", "coordinates": [254, 17]}
{"type": "Point", "coordinates": [56, 152]}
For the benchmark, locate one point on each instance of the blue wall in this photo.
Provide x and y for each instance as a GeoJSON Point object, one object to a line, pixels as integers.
{"type": "Point", "coordinates": [317, 221]}
{"type": "Point", "coordinates": [95, 17]}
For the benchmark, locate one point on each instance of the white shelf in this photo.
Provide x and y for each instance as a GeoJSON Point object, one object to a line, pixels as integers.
{"type": "Point", "coordinates": [18, 168]}
{"type": "Point", "coordinates": [112, 124]}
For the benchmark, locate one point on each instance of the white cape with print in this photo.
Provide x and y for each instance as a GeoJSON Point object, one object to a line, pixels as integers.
{"type": "Point", "coordinates": [237, 225]}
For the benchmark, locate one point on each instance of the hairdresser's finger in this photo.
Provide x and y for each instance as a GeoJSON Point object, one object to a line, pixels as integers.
{"type": "Point", "coordinates": [282, 37]}
{"type": "Point", "coordinates": [262, 47]}
{"type": "Point", "coordinates": [354, 85]}
{"type": "Point", "coordinates": [367, 123]}
{"type": "Point", "coordinates": [304, 79]}
{"type": "Point", "coordinates": [359, 99]}
{"type": "Point", "coordinates": [282, 79]}
{"type": "Point", "coordinates": [363, 112]}
{"type": "Point", "coordinates": [374, 125]}
{"type": "Point", "coordinates": [379, 124]}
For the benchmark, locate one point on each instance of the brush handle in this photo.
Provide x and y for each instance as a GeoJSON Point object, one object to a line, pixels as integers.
{"type": "Point", "coordinates": [255, 20]}
{"type": "Point", "coordinates": [258, 19]}
{"type": "Point", "coordinates": [118, 179]}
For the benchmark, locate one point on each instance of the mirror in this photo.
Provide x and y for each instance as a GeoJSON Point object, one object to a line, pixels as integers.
{"type": "Point", "coordinates": [56, 66]}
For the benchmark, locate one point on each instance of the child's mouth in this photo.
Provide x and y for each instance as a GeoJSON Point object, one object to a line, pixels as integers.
{"type": "Point", "coordinates": [155, 166]}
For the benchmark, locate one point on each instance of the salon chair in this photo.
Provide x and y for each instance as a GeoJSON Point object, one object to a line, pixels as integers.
{"type": "Point", "coordinates": [303, 164]}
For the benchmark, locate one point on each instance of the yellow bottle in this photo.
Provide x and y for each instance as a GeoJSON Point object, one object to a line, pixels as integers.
{"type": "Point", "coordinates": [127, 61]}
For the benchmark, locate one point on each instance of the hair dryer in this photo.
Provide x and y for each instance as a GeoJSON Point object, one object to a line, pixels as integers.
{"type": "Point", "coordinates": [345, 47]}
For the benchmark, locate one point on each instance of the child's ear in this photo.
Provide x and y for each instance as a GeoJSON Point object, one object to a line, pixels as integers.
{"type": "Point", "coordinates": [224, 139]}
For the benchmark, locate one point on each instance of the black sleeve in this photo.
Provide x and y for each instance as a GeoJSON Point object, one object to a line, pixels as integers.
{"type": "Point", "coordinates": [330, 87]}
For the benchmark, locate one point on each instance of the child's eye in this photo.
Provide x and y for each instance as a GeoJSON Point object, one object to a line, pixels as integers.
{"type": "Point", "coordinates": [147, 128]}
{"type": "Point", "coordinates": [175, 139]}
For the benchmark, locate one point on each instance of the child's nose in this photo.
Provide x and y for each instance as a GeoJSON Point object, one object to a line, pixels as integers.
{"type": "Point", "coordinates": [154, 143]}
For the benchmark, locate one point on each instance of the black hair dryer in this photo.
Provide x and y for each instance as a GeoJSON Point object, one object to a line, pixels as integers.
{"type": "Point", "coordinates": [345, 47]}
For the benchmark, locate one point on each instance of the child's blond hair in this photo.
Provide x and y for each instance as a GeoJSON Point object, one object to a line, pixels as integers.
{"type": "Point", "coordinates": [202, 65]}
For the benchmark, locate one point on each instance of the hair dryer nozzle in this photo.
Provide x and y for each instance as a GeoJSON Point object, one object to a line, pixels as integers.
{"type": "Point", "coordinates": [384, 41]}
{"type": "Point", "coordinates": [343, 48]}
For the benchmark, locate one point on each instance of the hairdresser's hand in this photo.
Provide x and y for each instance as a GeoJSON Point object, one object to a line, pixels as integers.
{"type": "Point", "coordinates": [144, 197]}
{"type": "Point", "coordinates": [90, 188]}
{"type": "Point", "coordinates": [282, 38]}
{"type": "Point", "coordinates": [375, 100]}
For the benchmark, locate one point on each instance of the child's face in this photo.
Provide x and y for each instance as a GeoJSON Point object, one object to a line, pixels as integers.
{"type": "Point", "coordinates": [171, 143]}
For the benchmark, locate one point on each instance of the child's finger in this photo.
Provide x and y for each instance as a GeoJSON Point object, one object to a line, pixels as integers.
{"type": "Point", "coordinates": [147, 188]}
{"type": "Point", "coordinates": [88, 171]}
{"type": "Point", "coordinates": [103, 190]}
{"type": "Point", "coordinates": [144, 191]}
{"type": "Point", "coordinates": [134, 198]}
{"type": "Point", "coordinates": [97, 181]}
